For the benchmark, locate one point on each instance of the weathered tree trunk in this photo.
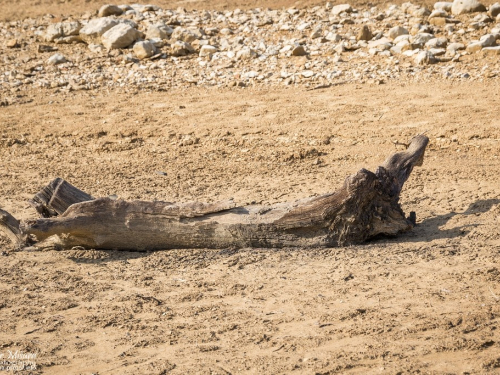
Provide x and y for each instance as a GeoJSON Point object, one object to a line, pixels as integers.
{"type": "Point", "coordinates": [366, 205]}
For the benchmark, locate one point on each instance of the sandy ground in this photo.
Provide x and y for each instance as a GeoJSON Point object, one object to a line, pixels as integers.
{"type": "Point", "coordinates": [11, 11]}
{"type": "Point", "coordinates": [425, 302]}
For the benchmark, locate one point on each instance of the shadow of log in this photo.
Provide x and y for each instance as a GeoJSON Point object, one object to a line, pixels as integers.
{"type": "Point", "coordinates": [430, 229]}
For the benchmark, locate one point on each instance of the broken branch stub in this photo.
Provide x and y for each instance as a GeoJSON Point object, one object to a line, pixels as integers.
{"type": "Point", "coordinates": [365, 206]}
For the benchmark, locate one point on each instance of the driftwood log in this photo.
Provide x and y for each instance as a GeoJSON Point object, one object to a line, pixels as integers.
{"type": "Point", "coordinates": [367, 205]}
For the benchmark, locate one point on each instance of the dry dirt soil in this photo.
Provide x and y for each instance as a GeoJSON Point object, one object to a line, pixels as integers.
{"type": "Point", "coordinates": [426, 302]}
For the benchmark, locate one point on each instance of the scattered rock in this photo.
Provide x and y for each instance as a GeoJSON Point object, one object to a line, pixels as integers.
{"type": "Point", "coordinates": [488, 40]}
{"type": "Point", "coordinates": [56, 59]}
{"type": "Point", "coordinates": [474, 47]}
{"type": "Point", "coordinates": [183, 35]}
{"type": "Point", "coordinates": [425, 58]}
{"type": "Point", "coordinates": [299, 51]}
{"type": "Point", "coordinates": [12, 43]}
{"type": "Point", "coordinates": [342, 8]}
{"type": "Point", "coordinates": [119, 36]}
{"type": "Point", "coordinates": [109, 10]}
{"type": "Point", "coordinates": [364, 34]}
{"type": "Point", "coordinates": [443, 5]}
{"type": "Point", "coordinates": [246, 53]}
{"type": "Point", "coordinates": [159, 31]}
{"type": "Point", "coordinates": [467, 6]}
{"type": "Point", "coordinates": [62, 29]}
{"type": "Point", "coordinates": [494, 10]}
{"type": "Point", "coordinates": [256, 46]}
{"type": "Point", "coordinates": [144, 49]}
{"type": "Point", "coordinates": [207, 50]}
{"type": "Point", "coordinates": [397, 31]}
{"type": "Point", "coordinates": [180, 48]}
{"type": "Point", "coordinates": [491, 50]}
{"type": "Point", "coordinates": [94, 29]}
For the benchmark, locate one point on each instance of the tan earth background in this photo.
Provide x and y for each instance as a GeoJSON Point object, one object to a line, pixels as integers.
{"type": "Point", "coordinates": [426, 302]}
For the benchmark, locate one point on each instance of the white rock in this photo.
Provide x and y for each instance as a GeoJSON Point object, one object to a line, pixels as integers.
{"type": "Point", "coordinates": [491, 50]}
{"type": "Point", "coordinates": [307, 73]}
{"type": "Point", "coordinates": [92, 31]}
{"type": "Point", "coordinates": [119, 36]}
{"type": "Point", "coordinates": [316, 33]}
{"type": "Point", "coordinates": [404, 37]}
{"type": "Point", "coordinates": [443, 5]}
{"type": "Point", "coordinates": [488, 40]}
{"type": "Point", "coordinates": [378, 42]}
{"type": "Point", "coordinates": [454, 47]}
{"type": "Point", "coordinates": [467, 6]}
{"type": "Point", "coordinates": [207, 50]}
{"type": "Point", "coordinates": [397, 31]}
{"type": "Point", "coordinates": [424, 58]}
{"type": "Point", "coordinates": [56, 59]}
{"type": "Point", "coordinates": [109, 10]}
{"type": "Point", "coordinates": [333, 37]}
{"type": "Point", "coordinates": [246, 53]}
{"type": "Point", "coordinates": [180, 48]}
{"type": "Point", "coordinates": [436, 43]}
{"type": "Point", "coordinates": [437, 51]}
{"type": "Point", "coordinates": [96, 48]}
{"type": "Point", "coordinates": [337, 9]}
{"type": "Point", "coordinates": [303, 26]}
{"type": "Point", "coordinates": [438, 13]}
{"type": "Point", "coordinates": [144, 49]}
{"type": "Point", "coordinates": [474, 47]}
{"type": "Point", "coordinates": [62, 29]}
{"type": "Point", "coordinates": [159, 31]}
{"type": "Point", "coordinates": [420, 39]}
{"type": "Point", "coordinates": [183, 35]}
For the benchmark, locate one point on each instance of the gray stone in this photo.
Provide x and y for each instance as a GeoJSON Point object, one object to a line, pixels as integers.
{"type": "Point", "coordinates": [337, 9]}
{"type": "Point", "coordinates": [299, 51]}
{"type": "Point", "coordinates": [467, 6]}
{"type": "Point", "coordinates": [119, 36]}
{"type": "Point", "coordinates": [207, 50]}
{"type": "Point", "coordinates": [397, 31]}
{"type": "Point", "coordinates": [91, 33]}
{"type": "Point", "coordinates": [443, 5]}
{"type": "Point", "coordinates": [159, 31]}
{"type": "Point", "coordinates": [56, 59]}
{"type": "Point", "coordinates": [109, 10]}
{"type": "Point", "coordinates": [494, 10]}
{"type": "Point", "coordinates": [144, 49]}
{"type": "Point", "coordinates": [424, 58]}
